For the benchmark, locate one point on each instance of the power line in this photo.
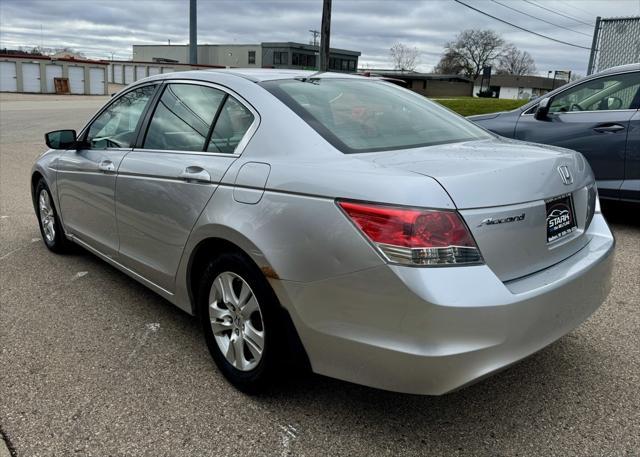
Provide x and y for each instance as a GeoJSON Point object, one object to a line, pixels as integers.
{"type": "Point", "coordinates": [522, 28]}
{"type": "Point", "coordinates": [540, 19]}
{"type": "Point", "coordinates": [577, 9]}
{"type": "Point", "coordinates": [559, 14]}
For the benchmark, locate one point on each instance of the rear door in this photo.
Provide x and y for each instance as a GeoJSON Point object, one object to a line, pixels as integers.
{"type": "Point", "coordinates": [194, 135]}
{"type": "Point", "coordinates": [630, 189]}
{"type": "Point", "coordinates": [592, 118]}
{"type": "Point", "coordinates": [86, 177]}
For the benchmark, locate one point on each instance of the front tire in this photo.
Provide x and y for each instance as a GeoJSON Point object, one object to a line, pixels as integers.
{"type": "Point", "coordinates": [50, 226]}
{"type": "Point", "coordinates": [240, 318]}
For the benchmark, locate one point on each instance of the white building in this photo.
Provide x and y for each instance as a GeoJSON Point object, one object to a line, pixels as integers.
{"type": "Point", "coordinates": [517, 87]}
{"type": "Point", "coordinates": [37, 74]}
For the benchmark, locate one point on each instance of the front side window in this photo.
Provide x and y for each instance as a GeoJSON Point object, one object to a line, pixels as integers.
{"type": "Point", "coordinates": [355, 115]}
{"type": "Point", "coordinates": [183, 118]}
{"type": "Point", "coordinates": [116, 126]}
{"type": "Point", "coordinates": [608, 93]}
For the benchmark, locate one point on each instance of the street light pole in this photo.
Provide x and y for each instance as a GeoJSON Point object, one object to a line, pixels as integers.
{"type": "Point", "coordinates": [325, 33]}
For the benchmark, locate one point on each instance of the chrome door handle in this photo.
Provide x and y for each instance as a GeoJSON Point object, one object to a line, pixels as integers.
{"type": "Point", "coordinates": [608, 128]}
{"type": "Point", "coordinates": [195, 174]}
{"type": "Point", "coordinates": [107, 166]}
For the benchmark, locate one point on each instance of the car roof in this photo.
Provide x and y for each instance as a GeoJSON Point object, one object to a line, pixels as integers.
{"type": "Point", "coordinates": [254, 74]}
{"type": "Point", "coordinates": [618, 69]}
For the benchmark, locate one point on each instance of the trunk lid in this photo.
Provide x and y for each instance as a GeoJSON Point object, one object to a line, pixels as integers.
{"type": "Point", "coordinates": [501, 188]}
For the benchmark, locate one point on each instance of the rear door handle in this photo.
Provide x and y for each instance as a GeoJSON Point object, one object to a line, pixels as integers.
{"type": "Point", "coordinates": [608, 128]}
{"type": "Point", "coordinates": [107, 166]}
{"type": "Point", "coordinates": [195, 174]}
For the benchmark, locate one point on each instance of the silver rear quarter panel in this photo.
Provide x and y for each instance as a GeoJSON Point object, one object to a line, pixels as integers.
{"type": "Point", "coordinates": [433, 330]}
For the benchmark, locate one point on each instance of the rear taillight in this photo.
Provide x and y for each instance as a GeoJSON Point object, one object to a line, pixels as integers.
{"type": "Point", "coordinates": [593, 205]}
{"type": "Point", "coordinates": [412, 236]}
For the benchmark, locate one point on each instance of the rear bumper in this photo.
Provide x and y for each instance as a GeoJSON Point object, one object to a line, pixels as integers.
{"type": "Point", "coordinates": [433, 330]}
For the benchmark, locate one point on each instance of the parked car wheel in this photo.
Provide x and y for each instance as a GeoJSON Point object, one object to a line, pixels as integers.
{"type": "Point", "coordinates": [239, 315]}
{"type": "Point", "coordinates": [49, 222]}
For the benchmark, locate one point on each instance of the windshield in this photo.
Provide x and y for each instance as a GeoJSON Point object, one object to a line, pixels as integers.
{"type": "Point", "coordinates": [366, 115]}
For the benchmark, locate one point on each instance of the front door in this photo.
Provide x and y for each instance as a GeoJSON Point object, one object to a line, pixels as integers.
{"type": "Point", "coordinates": [193, 137]}
{"type": "Point", "coordinates": [86, 177]}
{"type": "Point", "coordinates": [592, 118]}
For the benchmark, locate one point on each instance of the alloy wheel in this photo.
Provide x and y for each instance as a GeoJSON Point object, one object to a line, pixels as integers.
{"type": "Point", "coordinates": [46, 215]}
{"type": "Point", "coordinates": [236, 321]}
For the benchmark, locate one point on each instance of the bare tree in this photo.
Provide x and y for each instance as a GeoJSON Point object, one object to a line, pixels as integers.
{"type": "Point", "coordinates": [475, 49]}
{"type": "Point", "coordinates": [404, 57]}
{"type": "Point", "coordinates": [513, 61]}
{"type": "Point", "coordinates": [450, 64]}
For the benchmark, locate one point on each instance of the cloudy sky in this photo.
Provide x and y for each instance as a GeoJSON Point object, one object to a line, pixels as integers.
{"type": "Point", "coordinates": [101, 27]}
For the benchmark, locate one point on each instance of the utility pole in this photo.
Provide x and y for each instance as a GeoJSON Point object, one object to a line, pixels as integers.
{"type": "Point", "coordinates": [193, 32]}
{"type": "Point", "coordinates": [315, 34]}
{"type": "Point", "coordinates": [325, 33]}
{"type": "Point", "coordinates": [594, 45]}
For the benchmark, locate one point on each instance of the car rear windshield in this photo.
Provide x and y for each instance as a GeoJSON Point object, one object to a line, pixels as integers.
{"type": "Point", "coordinates": [357, 115]}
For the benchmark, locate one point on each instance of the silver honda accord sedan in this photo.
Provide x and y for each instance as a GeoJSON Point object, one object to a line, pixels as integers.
{"type": "Point", "coordinates": [333, 221]}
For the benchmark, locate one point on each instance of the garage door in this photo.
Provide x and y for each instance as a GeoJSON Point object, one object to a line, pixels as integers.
{"type": "Point", "coordinates": [31, 77]}
{"type": "Point", "coordinates": [141, 72]}
{"type": "Point", "coordinates": [52, 71]}
{"type": "Point", "coordinates": [96, 81]}
{"type": "Point", "coordinates": [8, 79]}
{"type": "Point", "coordinates": [168, 70]}
{"type": "Point", "coordinates": [154, 71]}
{"type": "Point", "coordinates": [117, 74]}
{"type": "Point", "coordinates": [76, 80]}
{"type": "Point", "coordinates": [128, 74]}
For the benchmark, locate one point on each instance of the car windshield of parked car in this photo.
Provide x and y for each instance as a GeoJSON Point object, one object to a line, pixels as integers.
{"type": "Point", "coordinates": [613, 92]}
{"type": "Point", "coordinates": [357, 115]}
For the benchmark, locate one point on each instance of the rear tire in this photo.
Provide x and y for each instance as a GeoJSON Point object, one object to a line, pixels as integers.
{"type": "Point", "coordinates": [50, 226]}
{"type": "Point", "coordinates": [240, 316]}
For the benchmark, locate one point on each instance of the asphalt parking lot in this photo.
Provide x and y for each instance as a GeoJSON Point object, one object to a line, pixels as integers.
{"type": "Point", "coordinates": [92, 363]}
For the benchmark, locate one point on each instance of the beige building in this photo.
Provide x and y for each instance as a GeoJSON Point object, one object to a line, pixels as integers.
{"type": "Point", "coordinates": [264, 55]}
{"type": "Point", "coordinates": [234, 55]}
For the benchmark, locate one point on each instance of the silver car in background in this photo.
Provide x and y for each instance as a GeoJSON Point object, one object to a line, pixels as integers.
{"type": "Point", "coordinates": [333, 220]}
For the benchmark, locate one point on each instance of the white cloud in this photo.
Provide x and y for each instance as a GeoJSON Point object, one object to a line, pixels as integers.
{"type": "Point", "coordinates": [101, 27]}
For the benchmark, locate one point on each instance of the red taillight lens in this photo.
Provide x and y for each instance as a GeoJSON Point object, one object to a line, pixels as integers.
{"type": "Point", "coordinates": [415, 236]}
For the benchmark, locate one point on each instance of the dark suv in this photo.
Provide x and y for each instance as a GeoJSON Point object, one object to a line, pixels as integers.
{"type": "Point", "coordinates": [597, 115]}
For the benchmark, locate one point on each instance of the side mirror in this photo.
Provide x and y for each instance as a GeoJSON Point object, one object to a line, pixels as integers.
{"type": "Point", "coordinates": [60, 139]}
{"type": "Point", "coordinates": [543, 109]}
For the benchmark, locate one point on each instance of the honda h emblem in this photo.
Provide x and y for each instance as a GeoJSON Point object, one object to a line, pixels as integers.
{"type": "Point", "coordinates": [565, 174]}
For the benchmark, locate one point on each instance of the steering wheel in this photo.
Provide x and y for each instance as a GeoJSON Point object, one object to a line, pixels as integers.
{"type": "Point", "coordinates": [575, 107]}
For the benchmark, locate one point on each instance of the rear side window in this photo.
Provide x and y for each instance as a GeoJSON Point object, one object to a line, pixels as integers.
{"type": "Point", "coordinates": [183, 118]}
{"type": "Point", "coordinates": [116, 126]}
{"type": "Point", "coordinates": [233, 122]}
{"type": "Point", "coordinates": [357, 115]}
{"type": "Point", "coordinates": [190, 117]}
